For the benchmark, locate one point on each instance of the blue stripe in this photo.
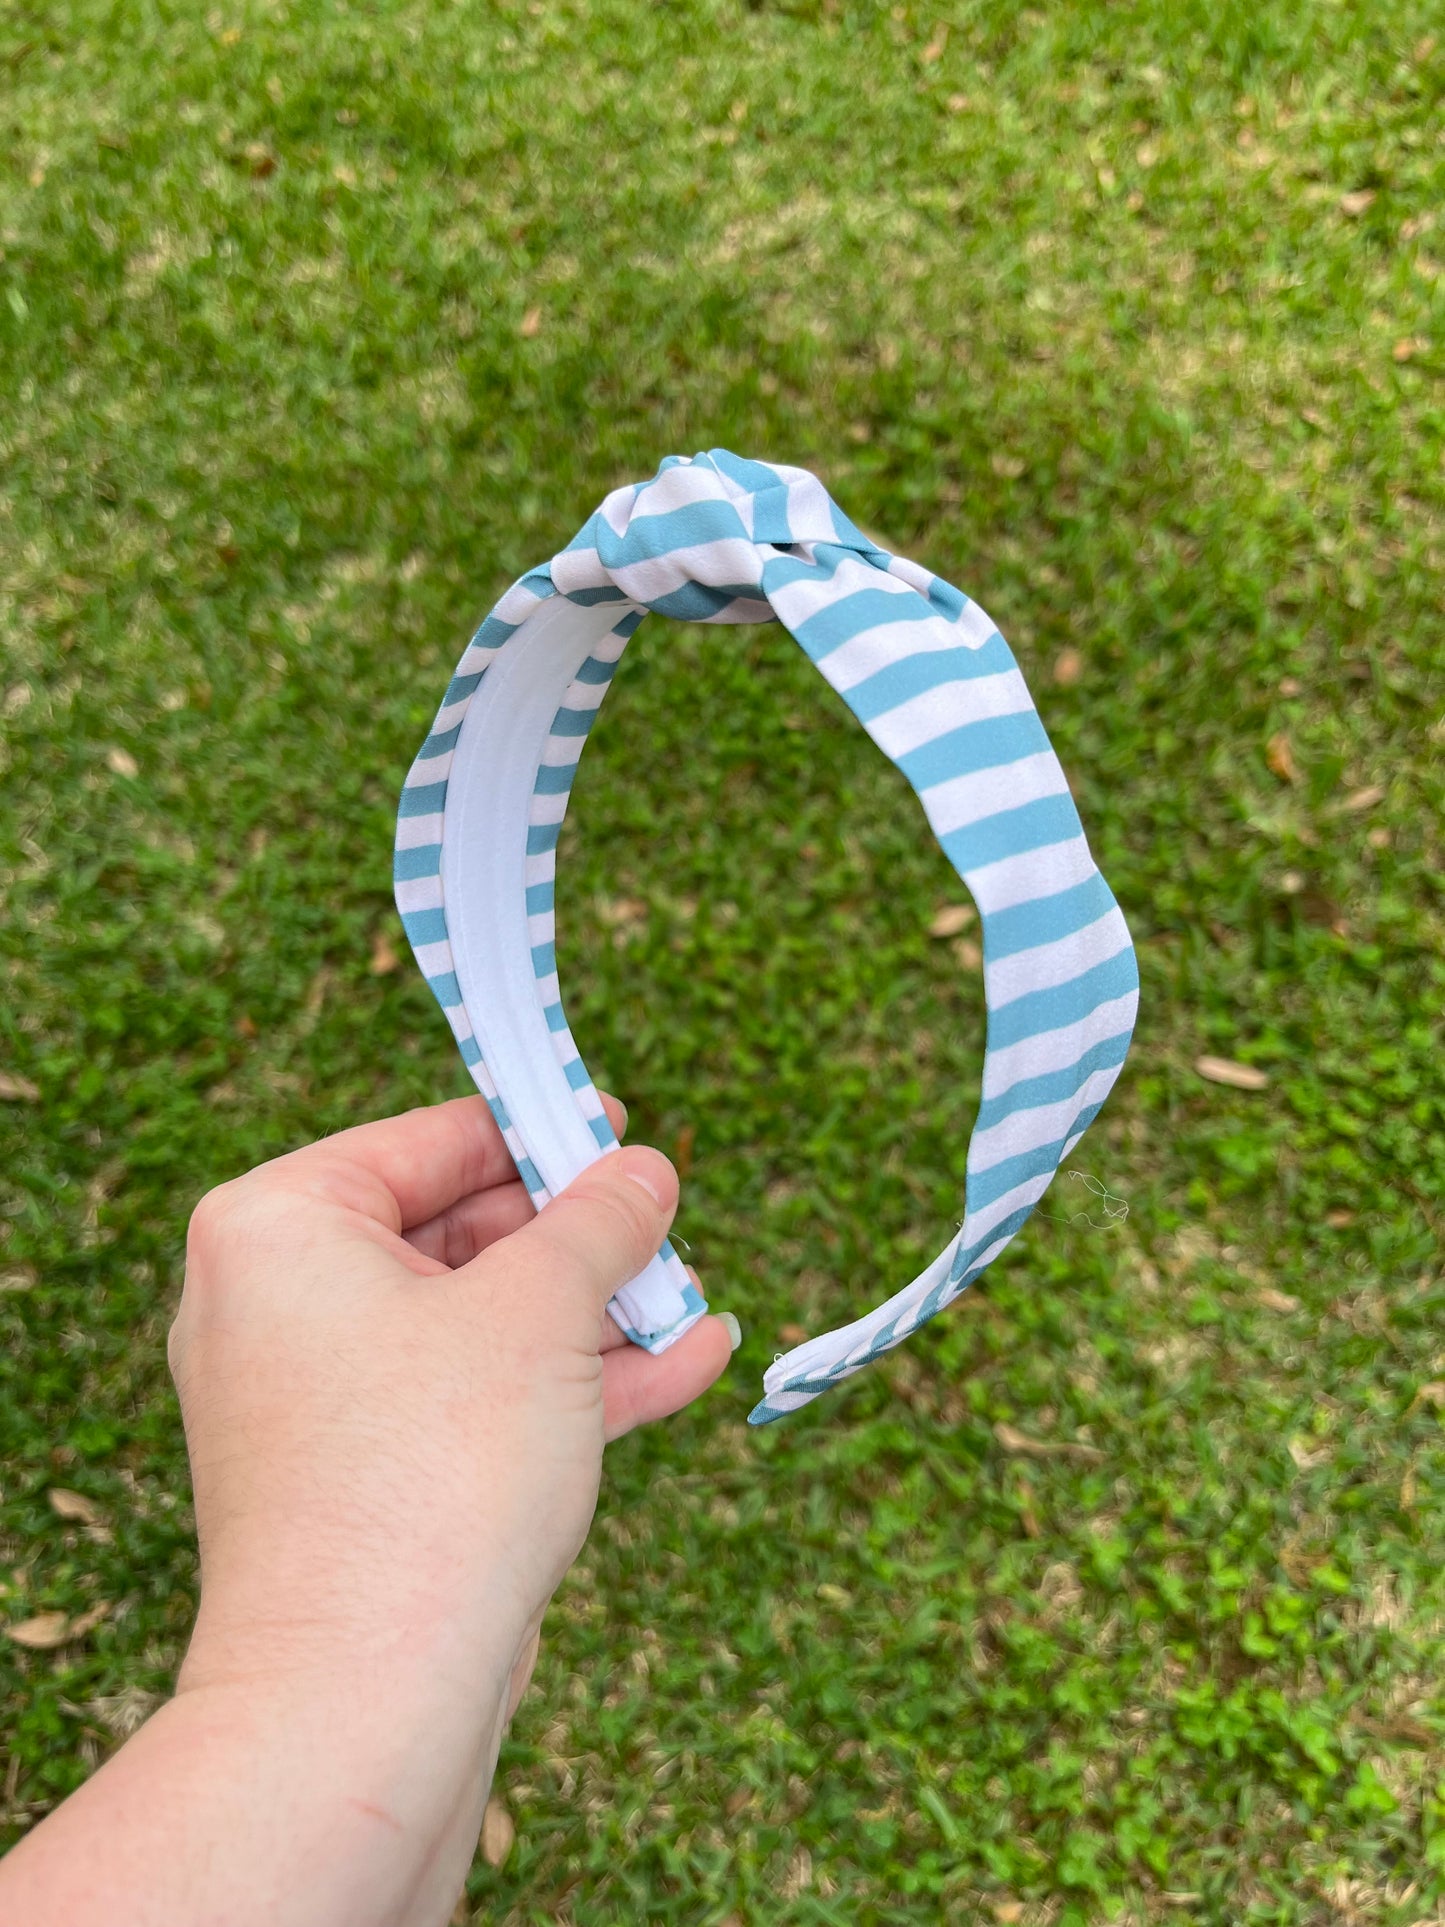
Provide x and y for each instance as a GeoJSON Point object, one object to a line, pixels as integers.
{"type": "Point", "coordinates": [446, 990]}
{"type": "Point", "coordinates": [576, 1075]}
{"type": "Point", "coordinates": [471, 1051]}
{"type": "Point", "coordinates": [531, 1177]}
{"type": "Point", "coordinates": [965, 751]}
{"type": "Point", "coordinates": [556, 1021]}
{"type": "Point", "coordinates": [595, 670]}
{"type": "Point", "coordinates": [423, 799]}
{"type": "Point", "coordinates": [690, 525]}
{"type": "Point", "coordinates": [929, 669]}
{"type": "Point", "coordinates": [439, 743]}
{"type": "Point", "coordinates": [986, 1187]}
{"type": "Point", "coordinates": [541, 897]}
{"type": "Point", "coordinates": [1065, 1004]}
{"type": "Point", "coordinates": [1050, 819]}
{"type": "Point", "coordinates": [542, 837]}
{"type": "Point", "coordinates": [544, 959]}
{"type": "Point", "coordinates": [1043, 920]}
{"type": "Point", "coordinates": [589, 598]}
{"type": "Point", "coordinates": [425, 926]}
{"type": "Point", "coordinates": [820, 634]}
{"type": "Point", "coordinates": [410, 866]}
{"type": "Point", "coordinates": [1052, 1087]}
{"type": "Point", "coordinates": [573, 722]}
{"type": "Point", "coordinates": [461, 688]}
{"type": "Point", "coordinates": [554, 779]}
{"type": "Point", "coordinates": [603, 1132]}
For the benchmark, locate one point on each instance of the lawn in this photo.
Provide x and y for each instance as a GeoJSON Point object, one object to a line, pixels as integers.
{"type": "Point", "coordinates": [1116, 1594]}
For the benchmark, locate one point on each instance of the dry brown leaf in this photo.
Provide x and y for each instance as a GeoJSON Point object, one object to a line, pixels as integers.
{"type": "Point", "coordinates": [1010, 467]}
{"type": "Point", "coordinates": [958, 103]}
{"type": "Point", "coordinates": [1409, 1488]}
{"type": "Point", "coordinates": [260, 161]}
{"type": "Point", "coordinates": [1280, 757]}
{"type": "Point", "coordinates": [1008, 1911]}
{"type": "Point", "coordinates": [1068, 667]}
{"type": "Point", "coordinates": [123, 1712]}
{"type": "Point", "coordinates": [620, 911]}
{"type": "Point", "coordinates": [383, 957]}
{"type": "Point", "coordinates": [682, 1150]}
{"type": "Point", "coordinates": [1432, 1394]}
{"type": "Point", "coordinates": [462, 1912]}
{"type": "Point", "coordinates": [1339, 1218]}
{"type": "Point", "coordinates": [1364, 799]}
{"type": "Point", "coordinates": [15, 1089]}
{"type": "Point", "coordinates": [1355, 203]}
{"type": "Point", "coordinates": [952, 918]}
{"type": "Point", "coordinates": [19, 1278]}
{"type": "Point", "coordinates": [498, 1833]}
{"type": "Point", "coordinates": [1290, 686]}
{"type": "Point", "coordinates": [531, 323]}
{"type": "Point", "coordinates": [88, 1620]}
{"type": "Point", "coordinates": [1224, 1070]}
{"type": "Point", "coordinates": [121, 763]}
{"type": "Point", "coordinates": [42, 1634]}
{"type": "Point", "coordinates": [792, 1334]}
{"type": "Point", "coordinates": [1409, 347]}
{"type": "Point", "coordinates": [1273, 1300]}
{"type": "Point", "coordinates": [968, 953]}
{"type": "Point", "coordinates": [1013, 1440]}
{"type": "Point", "coordinates": [74, 1505]}
{"type": "Point", "coordinates": [1305, 1457]}
{"type": "Point", "coordinates": [934, 50]}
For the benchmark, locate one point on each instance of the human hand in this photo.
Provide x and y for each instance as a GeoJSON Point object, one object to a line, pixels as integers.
{"type": "Point", "coordinates": [396, 1381]}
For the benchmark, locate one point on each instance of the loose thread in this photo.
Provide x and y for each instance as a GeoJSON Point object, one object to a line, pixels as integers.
{"type": "Point", "coordinates": [1115, 1208]}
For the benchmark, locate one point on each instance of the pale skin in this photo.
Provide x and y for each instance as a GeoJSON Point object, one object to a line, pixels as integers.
{"type": "Point", "coordinates": [397, 1381]}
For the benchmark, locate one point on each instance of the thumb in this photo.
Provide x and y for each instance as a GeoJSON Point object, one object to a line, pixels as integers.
{"type": "Point", "coordinates": [607, 1224]}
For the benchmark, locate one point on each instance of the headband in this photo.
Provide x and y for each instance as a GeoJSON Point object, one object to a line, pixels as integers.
{"type": "Point", "coordinates": [715, 538]}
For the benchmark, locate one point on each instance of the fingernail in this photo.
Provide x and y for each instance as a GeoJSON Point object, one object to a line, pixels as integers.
{"type": "Point", "coordinates": [622, 1127]}
{"type": "Point", "coordinates": [652, 1171]}
{"type": "Point", "coordinates": [734, 1330]}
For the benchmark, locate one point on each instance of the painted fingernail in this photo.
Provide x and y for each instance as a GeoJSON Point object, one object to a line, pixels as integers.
{"type": "Point", "coordinates": [734, 1330]}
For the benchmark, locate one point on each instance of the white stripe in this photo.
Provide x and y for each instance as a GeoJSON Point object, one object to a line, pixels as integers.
{"type": "Point", "coordinates": [419, 893]}
{"type": "Point", "coordinates": [541, 928]}
{"type": "Point", "coordinates": [548, 991]}
{"type": "Point", "coordinates": [729, 560]}
{"type": "Point", "coordinates": [547, 809]}
{"type": "Point", "coordinates": [989, 792]}
{"type": "Point", "coordinates": [431, 769]}
{"type": "Point", "coordinates": [434, 959]}
{"type": "Point", "coordinates": [923, 719]}
{"type": "Point", "coordinates": [589, 1103]}
{"type": "Point", "coordinates": [540, 867]}
{"type": "Point", "coordinates": [807, 596]}
{"type": "Point", "coordinates": [1048, 965]}
{"type": "Point", "coordinates": [885, 644]}
{"type": "Point", "coordinates": [518, 603]}
{"type": "Point", "coordinates": [415, 832]}
{"type": "Point", "coordinates": [476, 658]}
{"type": "Point", "coordinates": [1056, 1050]}
{"type": "Point", "coordinates": [559, 752]}
{"type": "Point", "coordinates": [1043, 1124]}
{"type": "Point", "coordinates": [1030, 875]}
{"type": "Point", "coordinates": [450, 714]}
{"type": "Point", "coordinates": [978, 1223]}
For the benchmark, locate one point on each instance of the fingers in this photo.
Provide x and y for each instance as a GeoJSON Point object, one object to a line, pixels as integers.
{"type": "Point", "coordinates": [404, 1170]}
{"type": "Point", "coordinates": [602, 1230]}
{"type": "Point", "coordinates": [638, 1386]}
{"type": "Point", "coordinates": [457, 1234]}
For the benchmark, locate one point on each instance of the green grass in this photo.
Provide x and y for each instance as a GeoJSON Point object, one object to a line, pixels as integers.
{"type": "Point", "coordinates": [1064, 303]}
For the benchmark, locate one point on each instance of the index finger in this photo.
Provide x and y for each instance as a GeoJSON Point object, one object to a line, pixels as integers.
{"type": "Point", "coordinates": [405, 1169]}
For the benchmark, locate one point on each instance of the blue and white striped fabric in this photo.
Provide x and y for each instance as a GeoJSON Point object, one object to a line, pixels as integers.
{"type": "Point", "coordinates": [715, 538]}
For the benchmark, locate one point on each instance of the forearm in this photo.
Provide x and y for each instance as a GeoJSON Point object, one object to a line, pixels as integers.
{"type": "Point", "coordinates": [293, 1803]}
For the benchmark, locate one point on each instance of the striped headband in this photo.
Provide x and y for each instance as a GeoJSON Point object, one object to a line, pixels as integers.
{"type": "Point", "coordinates": [715, 538]}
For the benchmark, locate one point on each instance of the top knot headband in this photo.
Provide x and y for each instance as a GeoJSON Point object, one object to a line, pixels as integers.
{"type": "Point", "coordinates": [715, 538]}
